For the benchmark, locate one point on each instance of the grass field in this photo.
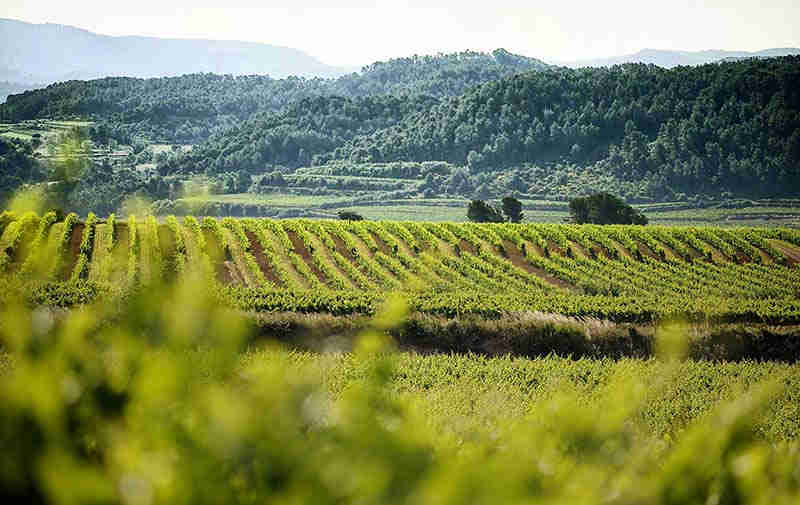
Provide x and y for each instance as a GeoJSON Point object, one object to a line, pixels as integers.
{"type": "Point", "coordinates": [44, 127]}
{"type": "Point", "coordinates": [536, 211]}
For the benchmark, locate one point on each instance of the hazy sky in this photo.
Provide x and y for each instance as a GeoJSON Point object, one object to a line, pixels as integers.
{"type": "Point", "coordinates": [356, 32]}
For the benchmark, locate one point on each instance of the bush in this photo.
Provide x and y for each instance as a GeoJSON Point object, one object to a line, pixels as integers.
{"type": "Point", "coordinates": [604, 208]}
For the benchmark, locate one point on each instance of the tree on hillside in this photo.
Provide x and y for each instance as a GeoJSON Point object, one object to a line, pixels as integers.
{"type": "Point", "coordinates": [481, 212]}
{"type": "Point", "coordinates": [604, 208]}
{"type": "Point", "coordinates": [348, 215]}
{"type": "Point", "coordinates": [512, 208]}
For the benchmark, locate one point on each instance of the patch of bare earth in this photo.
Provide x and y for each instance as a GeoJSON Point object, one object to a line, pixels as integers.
{"type": "Point", "coordinates": [646, 251]}
{"type": "Point", "coordinates": [580, 249]}
{"type": "Point", "coordinates": [303, 252]}
{"type": "Point", "coordinates": [623, 252]}
{"type": "Point", "coordinates": [792, 254]}
{"type": "Point", "coordinates": [741, 258]}
{"type": "Point", "coordinates": [465, 246]}
{"type": "Point", "coordinates": [553, 248]}
{"type": "Point", "coordinates": [73, 251]}
{"type": "Point", "coordinates": [515, 256]}
{"type": "Point", "coordinates": [227, 273]}
{"type": "Point", "coordinates": [261, 259]}
{"type": "Point", "coordinates": [671, 254]}
{"type": "Point", "coordinates": [382, 246]}
{"type": "Point", "coordinates": [342, 249]}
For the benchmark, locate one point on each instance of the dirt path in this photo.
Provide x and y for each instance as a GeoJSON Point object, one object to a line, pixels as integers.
{"type": "Point", "coordinates": [515, 256]}
{"type": "Point", "coordinates": [73, 251]}
{"type": "Point", "coordinates": [465, 246]}
{"type": "Point", "coordinates": [261, 259]}
{"type": "Point", "coordinates": [646, 251]}
{"type": "Point", "coordinates": [791, 252]}
{"type": "Point", "coordinates": [300, 250]}
{"type": "Point", "coordinates": [382, 246]}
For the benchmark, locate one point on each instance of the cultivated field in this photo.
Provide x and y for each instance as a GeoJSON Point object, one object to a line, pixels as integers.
{"type": "Point", "coordinates": [178, 397]}
{"type": "Point", "coordinates": [617, 273]}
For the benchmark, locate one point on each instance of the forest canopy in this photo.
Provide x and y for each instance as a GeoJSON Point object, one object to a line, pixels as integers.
{"type": "Point", "coordinates": [720, 129]}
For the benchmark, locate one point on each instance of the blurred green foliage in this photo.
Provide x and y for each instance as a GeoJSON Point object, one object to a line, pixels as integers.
{"type": "Point", "coordinates": [158, 400]}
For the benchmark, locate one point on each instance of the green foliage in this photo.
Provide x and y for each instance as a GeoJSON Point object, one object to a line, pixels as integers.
{"type": "Point", "coordinates": [349, 216]}
{"type": "Point", "coordinates": [683, 130]}
{"type": "Point", "coordinates": [156, 400]}
{"type": "Point", "coordinates": [613, 272]}
{"type": "Point", "coordinates": [512, 209]}
{"type": "Point", "coordinates": [17, 167]}
{"type": "Point", "coordinates": [604, 208]}
{"type": "Point", "coordinates": [190, 108]}
{"type": "Point", "coordinates": [479, 211]}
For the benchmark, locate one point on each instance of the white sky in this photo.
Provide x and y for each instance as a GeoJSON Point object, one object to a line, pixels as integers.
{"type": "Point", "coordinates": [358, 32]}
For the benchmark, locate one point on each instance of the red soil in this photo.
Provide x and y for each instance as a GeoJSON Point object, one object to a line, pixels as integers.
{"type": "Point", "coordinates": [301, 251]}
{"type": "Point", "coordinates": [515, 256]}
{"type": "Point", "coordinates": [382, 246]}
{"type": "Point", "coordinates": [465, 246]}
{"type": "Point", "coordinates": [261, 259]}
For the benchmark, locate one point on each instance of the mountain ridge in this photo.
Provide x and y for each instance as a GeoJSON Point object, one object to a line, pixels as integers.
{"type": "Point", "coordinates": [46, 53]}
{"type": "Point", "coordinates": [672, 58]}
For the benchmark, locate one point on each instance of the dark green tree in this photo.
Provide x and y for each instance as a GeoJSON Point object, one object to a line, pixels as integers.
{"type": "Point", "coordinates": [512, 209]}
{"type": "Point", "coordinates": [348, 215]}
{"type": "Point", "coordinates": [604, 208]}
{"type": "Point", "coordinates": [481, 212]}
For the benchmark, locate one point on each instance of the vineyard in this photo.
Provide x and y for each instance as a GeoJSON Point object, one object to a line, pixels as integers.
{"type": "Point", "coordinates": [618, 273]}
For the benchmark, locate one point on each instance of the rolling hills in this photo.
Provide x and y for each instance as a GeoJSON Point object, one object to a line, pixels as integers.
{"type": "Point", "coordinates": [190, 108]}
{"type": "Point", "coordinates": [650, 132]}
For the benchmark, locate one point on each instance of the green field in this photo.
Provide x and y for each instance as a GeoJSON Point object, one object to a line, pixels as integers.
{"type": "Point", "coordinates": [253, 360]}
{"type": "Point", "coordinates": [162, 399]}
{"type": "Point", "coordinates": [454, 209]}
{"type": "Point", "coordinates": [43, 127]}
{"type": "Point", "coordinates": [617, 273]}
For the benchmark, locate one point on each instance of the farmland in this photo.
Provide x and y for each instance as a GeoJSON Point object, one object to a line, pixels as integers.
{"type": "Point", "coordinates": [613, 360]}
{"type": "Point", "coordinates": [617, 273]}
{"type": "Point", "coordinates": [172, 399]}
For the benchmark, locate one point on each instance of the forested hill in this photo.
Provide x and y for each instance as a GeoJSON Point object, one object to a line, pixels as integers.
{"type": "Point", "coordinates": [296, 136]}
{"type": "Point", "coordinates": [729, 126]}
{"type": "Point", "coordinates": [441, 75]}
{"type": "Point", "coordinates": [192, 107]}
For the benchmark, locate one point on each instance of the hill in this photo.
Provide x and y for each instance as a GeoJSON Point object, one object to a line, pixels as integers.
{"type": "Point", "coordinates": [13, 88]}
{"type": "Point", "coordinates": [670, 59]}
{"type": "Point", "coordinates": [647, 133]}
{"type": "Point", "coordinates": [723, 127]}
{"type": "Point", "coordinates": [46, 53]}
{"type": "Point", "coordinates": [190, 108]}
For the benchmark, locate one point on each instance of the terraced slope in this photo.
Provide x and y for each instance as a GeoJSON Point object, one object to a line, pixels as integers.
{"type": "Point", "coordinates": [622, 273]}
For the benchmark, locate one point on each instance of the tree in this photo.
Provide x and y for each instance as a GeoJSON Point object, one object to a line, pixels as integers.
{"type": "Point", "coordinates": [604, 208]}
{"type": "Point", "coordinates": [347, 215]}
{"type": "Point", "coordinates": [512, 208]}
{"type": "Point", "coordinates": [481, 212]}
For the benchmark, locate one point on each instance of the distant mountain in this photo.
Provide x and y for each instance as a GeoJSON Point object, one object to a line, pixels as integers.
{"type": "Point", "coordinates": [670, 59]}
{"type": "Point", "coordinates": [12, 88]}
{"type": "Point", "coordinates": [46, 53]}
